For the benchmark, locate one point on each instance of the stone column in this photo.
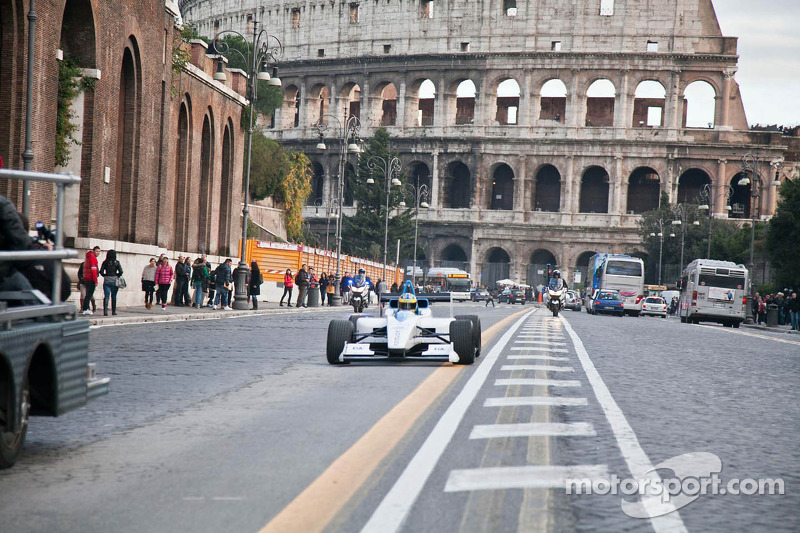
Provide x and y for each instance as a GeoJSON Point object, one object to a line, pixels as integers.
{"type": "Point", "coordinates": [519, 185]}
{"type": "Point", "coordinates": [572, 189]}
{"type": "Point", "coordinates": [303, 98]}
{"type": "Point", "coordinates": [673, 107]}
{"type": "Point", "coordinates": [439, 105]}
{"type": "Point", "coordinates": [401, 106]}
{"type": "Point", "coordinates": [365, 115]}
{"type": "Point", "coordinates": [434, 192]}
{"type": "Point", "coordinates": [621, 191]}
{"type": "Point", "coordinates": [574, 101]}
{"type": "Point", "coordinates": [727, 76]}
{"type": "Point", "coordinates": [621, 104]}
{"type": "Point", "coordinates": [719, 196]}
{"type": "Point", "coordinates": [524, 111]}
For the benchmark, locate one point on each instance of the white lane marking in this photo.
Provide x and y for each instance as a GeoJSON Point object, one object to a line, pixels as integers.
{"type": "Point", "coordinates": [227, 498]}
{"type": "Point", "coordinates": [532, 429]}
{"type": "Point", "coordinates": [521, 477]}
{"type": "Point", "coordinates": [635, 457]}
{"type": "Point", "coordinates": [394, 507]}
{"type": "Point", "coordinates": [543, 348]}
{"type": "Point", "coordinates": [514, 401]}
{"type": "Point", "coordinates": [194, 498]}
{"type": "Point", "coordinates": [545, 343]}
{"type": "Point", "coordinates": [538, 357]}
{"type": "Point", "coordinates": [548, 368]}
{"type": "Point", "coordinates": [749, 334]}
{"type": "Point", "coordinates": [536, 381]}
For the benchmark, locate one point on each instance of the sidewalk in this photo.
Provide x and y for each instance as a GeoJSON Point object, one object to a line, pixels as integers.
{"type": "Point", "coordinates": [138, 314]}
{"type": "Point", "coordinates": [776, 329]}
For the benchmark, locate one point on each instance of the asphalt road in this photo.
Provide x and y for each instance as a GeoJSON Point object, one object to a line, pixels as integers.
{"type": "Point", "coordinates": [231, 425]}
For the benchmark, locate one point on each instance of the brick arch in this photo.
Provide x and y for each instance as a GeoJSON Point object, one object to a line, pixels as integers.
{"type": "Point", "coordinates": [78, 40]}
{"type": "Point", "coordinates": [502, 189]}
{"type": "Point", "coordinates": [319, 102]}
{"type": "Point", "coordinates": [496, 265]}
{"type": "Point", "coordinates": [226, 188]}
{"type": "Point", "coordinates": [290, 110]}
{"type": "Point", "coordinates": [207, 144]}
{"type": "Point", "coordinates": [644, 190]}
{"type": "Point", "coordinates": [183, 158]}
{"type": "Point", "coordinates": [128, 139]}
{"type": "Point", "coordinates": [594, 190]}
{"type": "Point", "coordinates": [351, 98]}
{"type": "Point", "coordinates": [420, 111]}
{"type": "Point", "coordinates": [384, 103]}
{"type": "Point", "coordinates": [458, 185]}
{"type": "Point", "coordinates": [547, 189]}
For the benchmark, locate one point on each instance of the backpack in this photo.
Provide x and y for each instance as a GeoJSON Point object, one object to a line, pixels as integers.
{"type": "Point", "coordinates": [80, 273]}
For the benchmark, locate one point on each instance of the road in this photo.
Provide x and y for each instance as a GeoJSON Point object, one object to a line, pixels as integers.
{"type": "Point", "coordinates": [241, 425]}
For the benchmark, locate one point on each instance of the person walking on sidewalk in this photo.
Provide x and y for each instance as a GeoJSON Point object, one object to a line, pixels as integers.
{"type": "Point", "coordinates": [181, 280]}
{"type": "Point", "coordinates": [331, 289]}
{"type": "Point", "coordinates": [793, 304]}
{"type": "Point", "coordinates": [149, 282]}
{"type": "Point", "coordinates": [111, 270]}
{"type": "Point", "coordinates": [254, 284]}
{"type": "Point", "coordinates": [187, 268]}
{"type": "Point", "coordinates": [223, 281]}
{"type": "Point", "coordinates": [301, 280]}
{"type": "Point", "coordinates": [489, 298]}
{"type": "Point", "coordinates": [323, 288]}
{"type": "Point", "coordinates": [312, 280]}
{"type": "Point", "coordinates": [288, 285]}
{"type": "Point", "coordinates": [199, 278]}
{"type": "Point", "coordinates": [211, 284]}
{"type": "Point", "coordinates": [82, 287]}
{"type": "Point", "coordinates": [164, 276]}
{"type": "Point", "coordinates": [90, 277]}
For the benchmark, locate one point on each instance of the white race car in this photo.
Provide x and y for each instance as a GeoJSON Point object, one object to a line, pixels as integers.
{"type": "Point", "coordinates": [406, 330]}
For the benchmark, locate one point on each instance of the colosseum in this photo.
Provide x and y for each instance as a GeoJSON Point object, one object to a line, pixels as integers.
{"type": "Point", "coordinates": [543, 128]}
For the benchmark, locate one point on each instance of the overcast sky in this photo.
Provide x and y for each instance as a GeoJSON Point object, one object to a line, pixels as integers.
{"type": "Point", "coordinates": [769, 56]}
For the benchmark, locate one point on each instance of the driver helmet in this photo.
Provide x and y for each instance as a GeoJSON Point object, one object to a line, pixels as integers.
{"type": "Point", "coordinates": [362, 271]}
{"type": "Point", "coordinates": [556, 273]}
{"type": "Point", "coordinates": [407, 302]}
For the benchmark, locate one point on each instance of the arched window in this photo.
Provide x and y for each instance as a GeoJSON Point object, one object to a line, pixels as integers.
{"type": "Point", "coordinates": [291, 107]}
{"type": "Point", "coordinates": [741, 201]}
{"type": "Point", "coordinates": [454, 256]}
{"type": "Point", "coordinates": [496, 267]}
{"type": "Point", "coordinates": [387, 102]}
{"type": "Point", "coordinates": [419, 174]}
{"type": "Point", "coordinates": [690, 184]}
{"type": "Point", "coordinates": [226, 191]}
{"type": "Point", "coordinates": [508, 102]}
{"type": "Point", "coordinates": [206, 164]}
{"type": "Point", "coordinates": [502, 188]}
{"type": "Point", "coordinates": [644, 190]}
{"type": "Point", "coordinates": [547, 195]}
{"type": "Point", "coordinates": [458, 186]}
{"type": "Point", "coordinates": [317, 184]}
{"type": "Point", "coordinates": [319, 102]}
{"type": "Point", "coordinates": [427, 100]}
{"type": "Point", "coordinates": [594, 191]}
{"type": "Point", "coordinates": [553, 101]}
{"type": "Point", "coordinates": [182, 154]}
{"type": "Point", "coordinates": [128, 109]}
{"type": "Point", "coordinates": [648, 104]}
{"type": "Point", "coordinates": [699, 105]}
{"type": "Point", "coordinates": [351, 95]}
{"type": "Point", "coordinates": [465, 102]}
{"type": "Point", "coordinates": [600, 103]}
{"type": "Point", "coordinates": [538, 263]}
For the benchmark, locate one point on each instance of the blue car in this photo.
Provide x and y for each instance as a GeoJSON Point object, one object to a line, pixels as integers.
{"type": "Point", "coordinates": [608, 301]}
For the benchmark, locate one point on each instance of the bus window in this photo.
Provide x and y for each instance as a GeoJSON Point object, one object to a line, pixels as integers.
{"type": "Point", "coordinates": [723, 282]}
{"type": "Point", "coordinates": [623, 268]}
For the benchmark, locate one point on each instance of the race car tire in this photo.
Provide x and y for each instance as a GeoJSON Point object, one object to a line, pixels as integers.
{"type": "Point", "coordinates": [476, 331]}
{"type": "Point", "coordinates": [461, 337]}
{"type": "Point", "coordinates": [339, 332]}
{"type": "Point", "coordinates": [353, 319]}
{"type": "Point", "coordinates": [11, 442]}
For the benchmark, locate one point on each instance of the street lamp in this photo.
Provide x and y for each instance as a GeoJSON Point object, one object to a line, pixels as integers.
{"type": "Point", "coordinates": [682, 216]}
{"type": "Point", "coordinates": [420, 195]}
{"type": "Point", "coordinates": [259, 59]}
{"type": "Point", "coordinates": [706, 197]}
{"type": "Point", "coordinates": [331, 211]}
{"type": "Point", "coordinates": [660, 225]}
{"type": "Point", "coordinates": [388, 167]}
{"type": "Point", "coordinates": [347, 134]}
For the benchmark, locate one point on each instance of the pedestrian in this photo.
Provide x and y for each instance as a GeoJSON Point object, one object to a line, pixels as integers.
{"type": "Point", "coordinates": [288, 285]}
{"type": "Point", "coordinates": [187, 268]}
{"type": "Point", "coordinates": [794, 311]}
{"type": "Point", "coordinates": [181, 280]}
{"type": "Point", "coordinates": [199, 279]}
{"type": "Point", "coordinates": [301, 280]}
{"type": "Point", "coordinates": [323, 288]}
{"type": "Point", "coordinates": [346, 284]}
{"type": "Point", "coordinates": [90, 271]}
{"type": "Point", "coordinates": [82, 287]}
{"type": "Point", "coordinates": [149, 282]}
{"type": "Point", "coordinates": [254, 284]}
{"type": "Point", "coordinates": [111, 270]}
{"type": "Point", "coordinates": [490, 298]}
{"type": "Point", "coordinates": [331, 289]}
{"type": "Point", "coordinates": [164, 276]}
{"type": "Point", "coordinates": [313, 281]}
{"type": "Point", "coordinates": [394, 288]}
{"type": "Point", "coordinates": [211, 284]}
{"type": "Point", "coordinates": [223, 280]}
{"type": "Point", "coordinates": [762, 310]}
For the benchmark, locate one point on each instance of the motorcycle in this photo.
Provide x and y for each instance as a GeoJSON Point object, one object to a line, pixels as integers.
{"type": "Point", "coordinates": [555, 300]}
{"type": "Point", "coordinates": [358, 298]}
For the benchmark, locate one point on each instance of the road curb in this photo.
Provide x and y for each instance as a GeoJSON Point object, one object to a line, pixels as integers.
{"type": "Point", "coordinates": [775, 329]}
{"type": "Point", "coordinates": [210, 315]}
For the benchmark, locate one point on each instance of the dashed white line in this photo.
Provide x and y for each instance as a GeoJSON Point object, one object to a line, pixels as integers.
{"type": "Point", "coordinates": [547, 343]}
{"type": "Point", "coordinates": [548, 368]}
{"type": "Point", "coordinates": [532, 429]}
{"type": "Point", "coordinates": [521, 477]}
{"type": "Point", "coordinates": [535, 381]}
{"type": "Point", "coordinates": [543, 348]}
{"type": "Point", "coordinates": [538, 357]}
{"type": "Point", "coordinates": [515, 401]}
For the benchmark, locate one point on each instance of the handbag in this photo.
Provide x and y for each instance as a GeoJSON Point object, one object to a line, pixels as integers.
{"type": "Point", "coordinates": [121, 283]}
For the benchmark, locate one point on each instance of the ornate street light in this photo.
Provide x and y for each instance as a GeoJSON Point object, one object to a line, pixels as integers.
{"type": "Point", "coordinates": [706, 198]}
{"type": "Point", "coordinates": [347, 134]}
{"type": "Point", "coordinates": [331, 212]}
{"type": "Point", "coordinates": [389, 168]}
{"type": "Point", "coordinates": [657, 230]}
{"type": "Point", "coordinates": [263, 53]}
{"type": "Point", "coordinates": [420, 195]}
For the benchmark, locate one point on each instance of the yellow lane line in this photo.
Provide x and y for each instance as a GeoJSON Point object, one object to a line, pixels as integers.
{"type": "Point", "coordinates": [319, 503]}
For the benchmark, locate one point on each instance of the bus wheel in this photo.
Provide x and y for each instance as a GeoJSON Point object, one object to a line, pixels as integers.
{"type": "Point", "coordinates": [683, 320]}
{"type": "Point", "coordinates": [736, 324]}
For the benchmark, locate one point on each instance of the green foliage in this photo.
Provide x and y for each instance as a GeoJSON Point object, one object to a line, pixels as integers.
{"type": "Point", "coordinates": [268, 98]}
{"type": "Point", "coordinates": [69, 86]}
{"type": "Point", "coordinates": [252, 230]}
{"type": "Point", "coordinates": [363, 233]}
{"type": "Point", "coordinates": [783, 236]}
{"type": "Point", "coordinates": [180, 53]}
{"type": "Point", "coordinates": [268, 167]}
{"type": "Point", "coordinates": [296, 188]}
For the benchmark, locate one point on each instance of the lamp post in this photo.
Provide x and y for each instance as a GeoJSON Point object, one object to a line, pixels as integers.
{"type": "Point", "coordinates": [347, 134]}
{"type": "Point", "coordinates": [420, 195]}
{"type": "Point", "coordinates": [705, 197]}
{"type": "Point", "coordinates": [258, 61]}
{"type": "Point", "coordinates": [331, 210]}
{"type": "Point", "coordinates": [388, 167]}
{"type": "Point", "coordinates": [659, 225]}
{"type": "Point", "coordinates": [682, 216]}
{"type": "Point", "coordinates": [27, 155]}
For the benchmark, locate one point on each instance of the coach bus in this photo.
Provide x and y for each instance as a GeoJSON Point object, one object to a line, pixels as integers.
{"type": "Point", "coordinates": [619, 272]}
{"type": "Point", "coordinates": [453, 280]}
{"type": "Point", "coordinates": [713, 291]}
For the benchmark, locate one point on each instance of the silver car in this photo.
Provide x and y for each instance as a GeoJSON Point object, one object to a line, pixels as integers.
{"type": "Point", "coordinates": [573, 301]}
{"type": "Point", "coordinates": [654, 305]}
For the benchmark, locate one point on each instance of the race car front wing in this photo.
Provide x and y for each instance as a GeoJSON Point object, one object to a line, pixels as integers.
{"type": "Point", "coordinates": [354, 351]}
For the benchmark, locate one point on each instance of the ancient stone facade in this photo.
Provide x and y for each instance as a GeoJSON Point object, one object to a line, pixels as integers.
{"type": "Point", "coordinates": [542, 127]}
{"type": "Point", "coordinates": [160, 145]}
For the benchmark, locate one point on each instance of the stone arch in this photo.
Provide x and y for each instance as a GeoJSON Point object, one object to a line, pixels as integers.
{"type": "Point", "coordinates": [457, 186]}
{"type": "Point", "coordinates": [600, 99]}
{"type": "Point", "coordinates": [128, 133]}
{"type": "Point", "coordinates": [507, 99]}
{"type": "Point", "coordinates": [226, 190]}
{"type": "Point", "coordinates": [78, 33]}
{"type": "Point", "coordinates": [317, 184]}
{"type": "Point", "coordinates": [539, 260]}
{"type": "Point", "coordinates": [182, 173]}
{"type": "Point", "coordinates": [206, 182]}
{"type": "Point", "coordinates": [644, 190]}
{"type": "Point", "coordinates": [418, 173]}
{"type": "Point", "coordinates": [385, 104]}
{"type": "Point", "coordinates": [465, 102]}
{"type": "Point", "coordinates": [454, 256]}
{"type": "Point", "coordinates": [291, 107]}
{"type": "Point", "coordinates": [547, 191]}
{"type": "Point", "coordinates": [319, 103]}
{"type": "Point", "coordinates": [740, 201]}
{"type": "Point", "coordinates": [594, 190]}
{"type": "Point", "coordinates": [349, 181]}
{"type": "Point", "coordinates": [649, 101]}
{"type": "Point", "coordinates": [690, 183]}
{"type": "Point", "coordinates": [582, 266]}
{"type": "Point", "coordinates": [502, 188]}
{"type": "Point", "coordinates": [496, 266]}
{"type": "Point", "coordinates": [699, 105]}
{"type": "Point", "coordinates": [424, 96]}
{"type": "Point", "coordinates": [553, 100]}
{"type": "Point", "coordinates": [351, 100]}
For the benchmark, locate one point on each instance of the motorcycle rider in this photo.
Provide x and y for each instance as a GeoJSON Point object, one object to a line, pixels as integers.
{"type": "Point", "coordinates": [556, 283]}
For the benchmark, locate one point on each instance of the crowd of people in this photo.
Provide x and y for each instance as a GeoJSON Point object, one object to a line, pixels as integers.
{"type": "Point", "coordinates": [787, 305]}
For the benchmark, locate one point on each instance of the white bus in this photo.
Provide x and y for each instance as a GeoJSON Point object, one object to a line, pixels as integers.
{"type": "Point", "coordinates": [619, 272]}
{"type": "Point", "coordinates": [453, 280]}
{"type": "Point", "coordinates": [713, 291]}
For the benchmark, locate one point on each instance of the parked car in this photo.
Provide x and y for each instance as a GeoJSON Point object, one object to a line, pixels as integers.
{"type": "Point", "coordinates": [514, 296]}
{"type": "Point", "coordinates": [480, 295]}
{"type": "Point", "coordinates": [573, 301]}
{"type": "Point", "coordinates": [608, 301]}
{"type": "Point", "coordinates": [655, 305]}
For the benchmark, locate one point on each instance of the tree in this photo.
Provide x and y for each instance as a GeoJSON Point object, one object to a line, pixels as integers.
{"type": "Point", "coordinates": [295, 189]}
{"type": "Point", "coordinates": [783, 236]}
{"type": "Point", "coordinates": [268, 168]}
{"type": "Point", "coordinates": [363, 233]}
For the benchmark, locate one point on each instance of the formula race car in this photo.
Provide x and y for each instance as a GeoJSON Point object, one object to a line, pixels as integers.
{"type": "Point", "coordinates": [407, 329]}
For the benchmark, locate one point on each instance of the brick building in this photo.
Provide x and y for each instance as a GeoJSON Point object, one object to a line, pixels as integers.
{"type": "Point", "coordinates": [160, 149]}
{"type": "Point", "coordinates": [542, 127]}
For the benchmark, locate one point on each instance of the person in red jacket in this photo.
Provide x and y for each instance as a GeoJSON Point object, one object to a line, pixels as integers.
{"type": "Point", "coordinates": [164, 276]}
{"type": "Point", "coordinates": [288, 285]}
{"type": "Point", "coordinates": [90, 278]}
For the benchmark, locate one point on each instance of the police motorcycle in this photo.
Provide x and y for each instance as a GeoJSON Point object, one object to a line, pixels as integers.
{"type": "Point", "coordinates": [556, 293]}
{"type": "Point", "coordinates": [359, 291]}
